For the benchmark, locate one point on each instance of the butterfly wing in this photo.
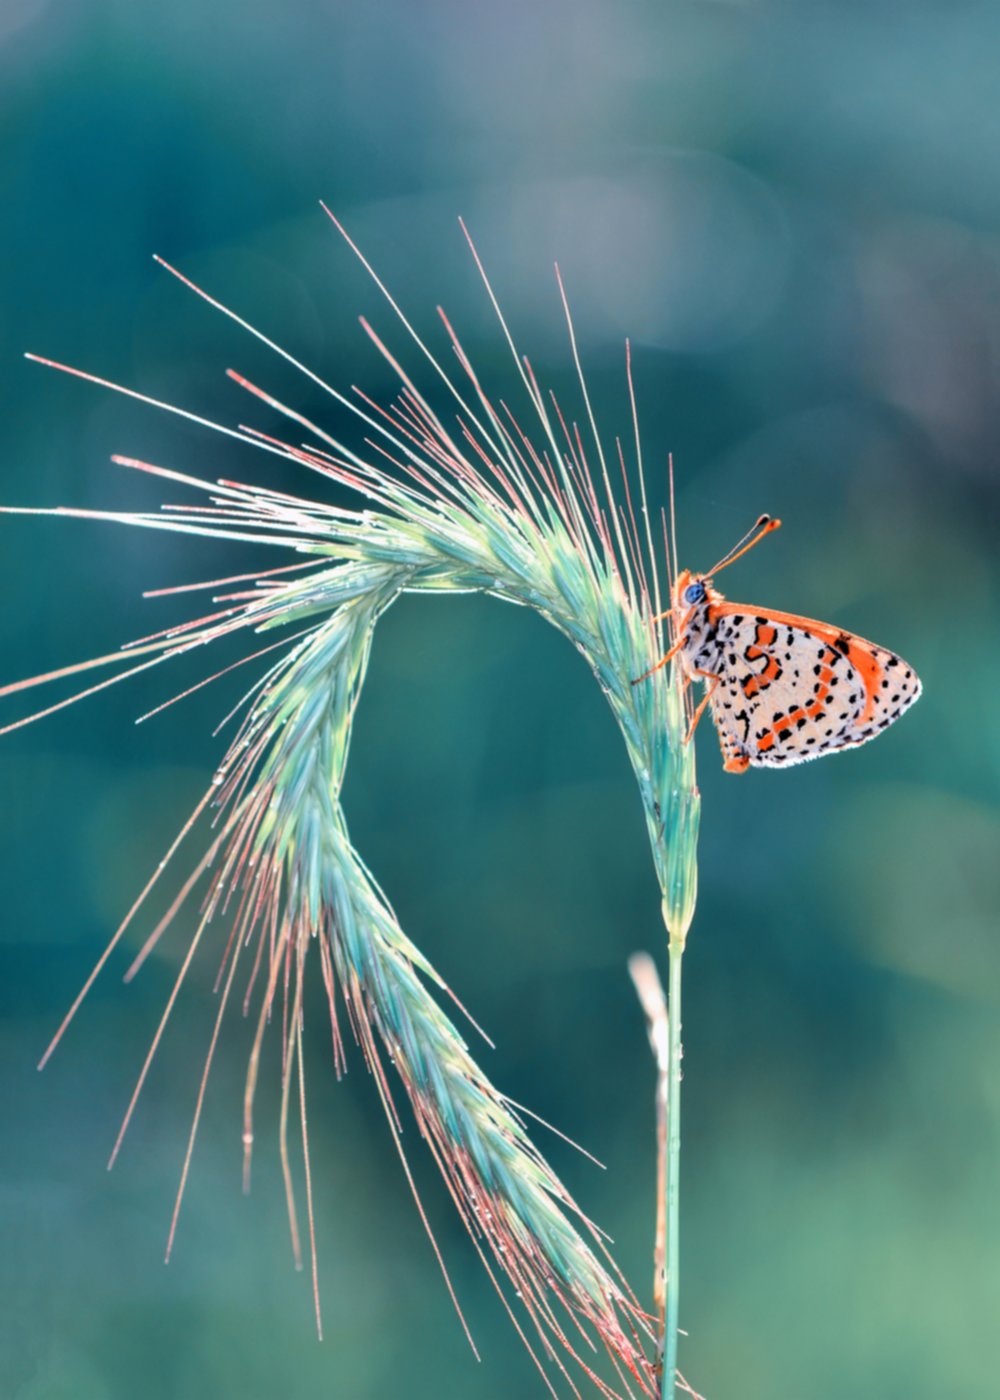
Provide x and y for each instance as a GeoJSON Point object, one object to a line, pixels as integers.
{"type": "Point", "coordinates": [791, 689]}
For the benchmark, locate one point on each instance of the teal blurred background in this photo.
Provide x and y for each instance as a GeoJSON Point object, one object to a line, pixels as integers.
{"type": "Point", "coordinates": [794, 211]}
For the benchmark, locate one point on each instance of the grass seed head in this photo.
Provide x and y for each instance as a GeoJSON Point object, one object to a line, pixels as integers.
{"type": "Point", "coordinates": [492, 507]}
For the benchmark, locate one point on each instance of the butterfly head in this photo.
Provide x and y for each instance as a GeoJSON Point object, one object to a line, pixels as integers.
{"type": "Point", "coordinates": [690, 590]}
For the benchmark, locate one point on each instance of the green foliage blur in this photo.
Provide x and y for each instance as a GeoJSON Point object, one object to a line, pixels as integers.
{"type": "Point", "coordinates": [794, 212]}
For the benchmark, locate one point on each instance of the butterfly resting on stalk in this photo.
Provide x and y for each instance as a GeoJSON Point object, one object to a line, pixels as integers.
{"type": "Point", "coordinates": [782, 688]}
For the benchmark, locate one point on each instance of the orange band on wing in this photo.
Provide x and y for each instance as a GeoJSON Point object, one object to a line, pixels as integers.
{"type": "Point", "coordinates": [813, 710]}
{"type": "Point", "coordinates": [772, 671]}
{"type": "Point", "coordinates": [858, 652]}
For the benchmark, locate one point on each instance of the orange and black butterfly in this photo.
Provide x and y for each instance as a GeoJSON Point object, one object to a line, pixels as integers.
{"type": "Point", "coordinates": [782, 689]}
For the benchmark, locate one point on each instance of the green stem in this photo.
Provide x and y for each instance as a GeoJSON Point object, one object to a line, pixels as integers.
{"type": "Point", "coordinates": [673, 1175]}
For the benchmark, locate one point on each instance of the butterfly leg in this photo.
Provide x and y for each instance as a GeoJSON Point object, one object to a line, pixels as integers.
{"type": "Point", "coordinates": [662, 661]}
{"type": "Point", "coordinates": [732, 761]}
{"type": "Point", "coordinates": [712, 687]}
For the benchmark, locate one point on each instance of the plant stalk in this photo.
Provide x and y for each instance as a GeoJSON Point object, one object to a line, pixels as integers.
{"type": "Point", "coordinates": [672, 1185]}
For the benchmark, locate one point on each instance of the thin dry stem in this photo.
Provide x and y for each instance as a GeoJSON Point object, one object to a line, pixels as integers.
{"type": "Point", "coordinates": [649, 989]}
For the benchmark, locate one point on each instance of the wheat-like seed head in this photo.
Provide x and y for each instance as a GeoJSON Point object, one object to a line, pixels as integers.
{"type": "Point", "coordinates": [527, 517]}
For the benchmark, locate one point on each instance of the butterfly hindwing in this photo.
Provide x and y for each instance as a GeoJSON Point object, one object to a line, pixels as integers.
{"type": "Point", "coordinates": [790, 689]}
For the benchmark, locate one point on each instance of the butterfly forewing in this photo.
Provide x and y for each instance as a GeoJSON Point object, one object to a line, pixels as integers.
{"type": "Point", "coordinates": [790, 689]}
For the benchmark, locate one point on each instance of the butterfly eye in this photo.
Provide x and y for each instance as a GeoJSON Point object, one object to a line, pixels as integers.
{"type": "Point", "coordinates": [694, 593]}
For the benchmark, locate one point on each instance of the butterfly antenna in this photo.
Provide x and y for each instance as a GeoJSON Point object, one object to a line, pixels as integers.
{"type": "Point", "coordinates": [753, 536]}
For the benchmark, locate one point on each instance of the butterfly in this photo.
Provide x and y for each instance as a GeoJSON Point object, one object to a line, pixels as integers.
{"type": "Point", "coordinates": [782, 689]}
